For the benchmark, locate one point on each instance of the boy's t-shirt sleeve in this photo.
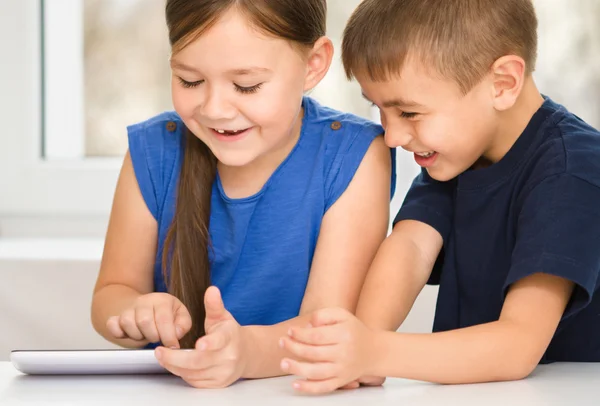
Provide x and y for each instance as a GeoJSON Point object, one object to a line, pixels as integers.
{"type": "Point", "coordinates": [346, 150]}
{"type": "Point", "coordinates": [431, 202]}
{"type": "Point", "coordinates": [558, 233]}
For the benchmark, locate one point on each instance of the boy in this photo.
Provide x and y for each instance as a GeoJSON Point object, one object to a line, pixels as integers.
{"type": "Point", "coordinates": [505, 215]}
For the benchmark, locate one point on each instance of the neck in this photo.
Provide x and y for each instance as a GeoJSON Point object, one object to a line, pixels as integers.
{"type": "Point", "coordinates": [514, 121]}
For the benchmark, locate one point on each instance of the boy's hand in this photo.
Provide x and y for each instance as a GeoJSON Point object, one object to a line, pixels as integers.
{"type": "Point", "coordinates": [152, 318]}
{"type": "Point", "coordinates": [365, 381]}
{"type": "Point", "coordinates": [219, 358]}
{"type": "Point", "coordinates": [334, 350]}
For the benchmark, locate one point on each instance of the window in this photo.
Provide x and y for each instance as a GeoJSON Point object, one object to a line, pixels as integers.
{"type": "Point", "coordinates": [79, 71]}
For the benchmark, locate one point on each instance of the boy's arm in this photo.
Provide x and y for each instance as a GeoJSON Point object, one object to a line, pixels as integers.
{"type": "Point", "coordinates": [554, 275]}
{"type": "Point", "coordinates": [399, 272]}
{"type": "Point", "coordinates": [507, 349]}
{"type": "Point", "coordinates": [340, 348]}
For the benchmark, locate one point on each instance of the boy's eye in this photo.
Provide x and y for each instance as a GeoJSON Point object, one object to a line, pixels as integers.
{"type": "Point", "coordinates": [405, 114]}
{"type": "Point", "coordinates": [189, 85]}
{"type": "Point", "coordinates": [249, 89]}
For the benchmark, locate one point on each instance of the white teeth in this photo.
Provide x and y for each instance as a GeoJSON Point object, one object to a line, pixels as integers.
{"type": "Point", "coordinates": [227, 131]}
{"type": "Point", "coordinates": [425, 154]}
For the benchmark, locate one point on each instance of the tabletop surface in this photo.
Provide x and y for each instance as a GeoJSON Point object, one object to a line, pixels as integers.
{"type": "Point", "coordinates": [557, 384]}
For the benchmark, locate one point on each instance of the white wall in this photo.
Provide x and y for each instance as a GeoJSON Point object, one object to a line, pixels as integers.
{"type": "Point", "coordinates": [44, 304]}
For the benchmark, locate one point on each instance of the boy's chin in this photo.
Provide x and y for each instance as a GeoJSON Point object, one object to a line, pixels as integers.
{"type": "Point", "coordinates": [440, 174]}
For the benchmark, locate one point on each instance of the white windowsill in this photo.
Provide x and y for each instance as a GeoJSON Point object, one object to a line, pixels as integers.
{"type": "Point", "coordinates": [51, 249]}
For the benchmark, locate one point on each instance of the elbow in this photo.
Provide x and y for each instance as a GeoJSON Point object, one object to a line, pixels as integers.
{"type": "Point", "coordinates": [523, 369]}
{"type": "Point", "coordinates": [519, 367]}
{"type": "Point", "coordinates": [98, 323]}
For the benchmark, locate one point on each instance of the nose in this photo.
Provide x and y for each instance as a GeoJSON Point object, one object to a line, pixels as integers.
{"type": "Point", "coordinates": [398, 135]}
{"type": "Point", "coordinates": [215, 107]}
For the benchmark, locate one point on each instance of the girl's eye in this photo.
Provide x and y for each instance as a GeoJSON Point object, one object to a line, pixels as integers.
{"type": "Point", "coordinates": [189, 85]}
{"type": "Point", "coordinates": [248, 90]}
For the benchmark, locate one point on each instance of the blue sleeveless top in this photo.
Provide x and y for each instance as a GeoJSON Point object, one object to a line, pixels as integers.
{"type": "Point", "coordinates": [262, 245]}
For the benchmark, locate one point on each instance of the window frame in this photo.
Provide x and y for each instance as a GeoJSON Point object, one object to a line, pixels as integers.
{"type": "Point", "coordinates": [44, 170]}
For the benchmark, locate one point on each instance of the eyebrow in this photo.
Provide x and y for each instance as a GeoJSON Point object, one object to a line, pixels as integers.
{"type": "Point", "coordinates": [395, 103]}
{"type": "Point", "coordinates": [236, 72]}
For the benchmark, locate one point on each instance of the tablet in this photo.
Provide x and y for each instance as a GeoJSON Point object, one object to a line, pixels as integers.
{"type": "Point", "coordinates": [86, 362]}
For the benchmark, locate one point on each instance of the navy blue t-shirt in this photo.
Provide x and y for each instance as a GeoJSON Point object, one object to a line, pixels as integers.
{"type": "Point", "coordinates": [537, 210]}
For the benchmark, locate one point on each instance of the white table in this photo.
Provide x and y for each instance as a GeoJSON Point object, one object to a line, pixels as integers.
{"type": "Point", "coordinates": [558, 384]}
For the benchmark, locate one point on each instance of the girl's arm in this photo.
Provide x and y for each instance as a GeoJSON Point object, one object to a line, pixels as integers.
{"type": "Point", "coordinates": [351, 231]}
{"type": "Point", "coordinates": [126, 270]}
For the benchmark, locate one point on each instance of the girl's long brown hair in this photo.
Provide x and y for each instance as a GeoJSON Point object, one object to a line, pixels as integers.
{"type": "Point", "coordinates": [185, 257]}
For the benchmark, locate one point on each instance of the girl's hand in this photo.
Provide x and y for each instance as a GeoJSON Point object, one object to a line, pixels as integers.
{"type": "Point", "coordinates": [155, 317]}
{"type": "Point", "coordinates": [219, 358]}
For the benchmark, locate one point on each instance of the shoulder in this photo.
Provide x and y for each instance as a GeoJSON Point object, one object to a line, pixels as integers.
{"type": "Point", "coordinates": [345, 140]}
{"type": "Point", "coordinates": [569, 147]}
{"type": "Point", "coordinates": [163, 127]}
{"type": "Point", "coordinates": [581, 144]}
{"type": "Point", "coordinates": [340, 130]}
{"type": "Point", "coordinates": [155, 147]}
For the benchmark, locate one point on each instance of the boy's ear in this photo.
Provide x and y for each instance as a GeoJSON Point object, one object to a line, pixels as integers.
{"type": "Point", "coordinates": [319, 61]}
{"type": "Point", "coordinates": [509, 74]}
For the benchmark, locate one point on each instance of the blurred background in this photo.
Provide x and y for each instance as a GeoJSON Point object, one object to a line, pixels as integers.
{"type": "Point", "coordinates": [75, 73]}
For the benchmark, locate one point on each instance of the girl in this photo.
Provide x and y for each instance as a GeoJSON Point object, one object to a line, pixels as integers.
{"type": "Point", "coordinates": [249, 186]}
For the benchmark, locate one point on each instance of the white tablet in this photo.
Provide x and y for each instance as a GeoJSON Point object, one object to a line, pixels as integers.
{"type": "Point", "coordinates": [86, 362]}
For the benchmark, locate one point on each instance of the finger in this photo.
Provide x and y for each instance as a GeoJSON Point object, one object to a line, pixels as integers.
{"type": "Point", "coordinates": [185, 359]}
{"type": "Point", "coordinates": [205, 383]}
{"type": "Point", "coordinates": [183, 320]}
{"type": "Point", "coordinates": [371, 381]}
{"type": "Point", "coordinates": [328, 317]}
{"type": "Point", "coordinates": [191, 374]}
{"type": "Point", "coordinates": [326, 335]}
{"type": "Point", "coordinates": [351, 385]}
{"type": "Point", "coordinates": [215, 308]}
{"type": "Point", "coordinates": [114, 328]}
{"type": "Point", "coordinates": [309, 352]}
{"type": "Point", "coordinates": [312, 371]}
{"type": "Point", "coordinates": [144, 319]}
{"type": "Point", "coordinates": [165, 326]}
{"type": "Point", "coordinates": [318, 387]}
{"type": "Point", "coordinates": [129, 325]}
{"type": "Point", "coordinates": [214, 341]}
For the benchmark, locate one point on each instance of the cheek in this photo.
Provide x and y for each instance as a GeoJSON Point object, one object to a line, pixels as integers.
{"type": "Point", "coordinates": [435, 133]}
{"type": "Point", "coordinates": [183, 100]}
{"type": "Point", "coordinates": [276, 108]}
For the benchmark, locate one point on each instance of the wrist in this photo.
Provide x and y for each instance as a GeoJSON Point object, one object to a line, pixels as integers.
{"type": "Point", "coordinates": [378, 351]}
{"type": "Point", "coordinates": [249, 346]}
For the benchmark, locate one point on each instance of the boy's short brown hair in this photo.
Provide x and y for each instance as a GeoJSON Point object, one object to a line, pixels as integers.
{"type": "Point", "coordinates": [457, 39]}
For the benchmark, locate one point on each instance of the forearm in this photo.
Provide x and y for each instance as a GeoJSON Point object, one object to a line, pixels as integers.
{"type": "Point", "coordinates": [393, 282]}
{"type": "Point", "coordinates": [112, 300]}
{"type": "Point", "coordinates": [496, 351]}
{"type": "Point", "coordinates": [264, 354]}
